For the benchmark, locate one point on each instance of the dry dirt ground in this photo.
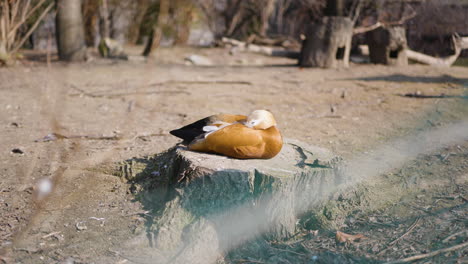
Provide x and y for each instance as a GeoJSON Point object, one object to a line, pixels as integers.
{"type": "Point", "coordinates": [116, 110]}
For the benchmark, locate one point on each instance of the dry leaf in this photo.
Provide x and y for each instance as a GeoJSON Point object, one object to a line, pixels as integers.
{"type": "Point", "coordinates": [343, 237]}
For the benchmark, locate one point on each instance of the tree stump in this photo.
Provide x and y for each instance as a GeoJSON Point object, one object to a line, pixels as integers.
{"type": "Point", "coordinates": [387, 45]}
{"type": "Point", "coordinates": [327, 44]}
{"type": "Point", "coordinates": [218, 203]}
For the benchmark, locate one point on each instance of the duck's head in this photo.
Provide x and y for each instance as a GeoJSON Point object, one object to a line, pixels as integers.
{"type": "Point", "coordinates": [260, 119]}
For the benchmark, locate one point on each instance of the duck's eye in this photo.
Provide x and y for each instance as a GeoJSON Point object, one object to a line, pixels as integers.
{"type": "Point", "coordinates": [252, 123]}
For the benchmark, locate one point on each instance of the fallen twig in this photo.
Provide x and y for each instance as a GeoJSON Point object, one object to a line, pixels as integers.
{"type": "Point", "coordinates": [415, 223]}
{"type": "Point", "coordinates": [289, 251]}
{"type": "Point", "coordinates": [429, 255]}
{"type": "Point", "coordinates": [113, 95]}
{"type": "Point", "coordinates": [51, 234]}
{"type": "Point", "coordinates": [57, 136]}
{"type": "Point", "coordinates": [110, 93]}
{"type": "Point", "coordinates": [208, 82]}
{"type": "Point", "coordinates": [447, 239]}
{"type": "Point", "coordinates": [247, 261]}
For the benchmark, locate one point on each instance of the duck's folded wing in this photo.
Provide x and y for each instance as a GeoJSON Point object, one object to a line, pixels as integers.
{"type": "Point", "coordinates": [235, 140]}
{"type": "Point", "coordinates": [189, 132]}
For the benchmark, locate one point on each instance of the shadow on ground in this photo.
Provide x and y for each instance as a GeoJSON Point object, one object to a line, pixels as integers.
{"type": "Point", "coordinates": [416, 79]}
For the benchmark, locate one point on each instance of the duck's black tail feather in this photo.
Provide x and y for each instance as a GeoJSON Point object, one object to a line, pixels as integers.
{"type": "Point", "coordinates": [189, 132]}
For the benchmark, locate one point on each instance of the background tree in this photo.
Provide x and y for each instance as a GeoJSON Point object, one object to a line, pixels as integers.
{"type": "Point", "coordinates": [90, 9]}
{"type": "Point", "coordinates": [70, 31]}
{"type": "Point", "coordinates": [157, 30]}
{"type": "Point", "coordinates": [18, 20]}
{"type": "Point", "coordinates": [134, 28]}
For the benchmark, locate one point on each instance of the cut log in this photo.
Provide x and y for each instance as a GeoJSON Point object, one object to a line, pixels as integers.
{"type": "Point", "coordinates": [327, 44]}
{"type": "Point", "coordinates": [232, 200]}
{"type": "Point", "coordinates": [387, 45]}
{"type": "Point", "coordinates": [240, 46]}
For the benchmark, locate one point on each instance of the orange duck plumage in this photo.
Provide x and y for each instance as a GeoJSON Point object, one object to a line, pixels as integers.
{"type": "Point", "coordinates": [244, 137]}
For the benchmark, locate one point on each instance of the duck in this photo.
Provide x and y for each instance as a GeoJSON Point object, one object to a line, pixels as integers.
{"type": "Point", "coordinates": [255, 136]}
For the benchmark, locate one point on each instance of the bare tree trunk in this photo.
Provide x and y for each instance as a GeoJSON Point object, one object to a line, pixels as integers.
{"type": "Point", "coordinates": [134, 30]}
{"type": "Point", "coordinates": [335, 8]}
{"type": "Point", "coordinates": [157, 32]}
{"type": "Point", "coordinates": [4, 57]}
{"type": "Point", "coordinates": [267, 10]}
{"type": "Point", "coordinates": [183, 13]}
{"type": "Point", "coordinates": [91, 20]}
{"type": "Point", "coordinates": [104, 25]}
{"type": "Point", "coordinates": [70, 31]}
{"type": "Point", "coordinates": [233, 15]}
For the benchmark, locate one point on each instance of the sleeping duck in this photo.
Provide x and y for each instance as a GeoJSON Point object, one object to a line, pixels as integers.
{"type": "Point", "coordinates": [255, 136]}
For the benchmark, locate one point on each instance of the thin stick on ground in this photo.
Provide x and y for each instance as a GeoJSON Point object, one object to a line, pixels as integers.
{"type": "Point", "coordinates": [429, 255]}
{"type": "Point", "coordinates": [415, 223]}
{"type": "Point", "coordinates": [427, 96]}
{"type": "Point", "coordinates": [454, 235]}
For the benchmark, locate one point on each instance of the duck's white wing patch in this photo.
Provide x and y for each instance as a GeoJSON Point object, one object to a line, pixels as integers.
{"type": "Point", "coordinates": [210, 128]}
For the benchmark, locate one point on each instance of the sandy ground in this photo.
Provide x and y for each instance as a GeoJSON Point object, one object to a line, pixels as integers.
{"type": "Point", "coordinates": [88, 215]}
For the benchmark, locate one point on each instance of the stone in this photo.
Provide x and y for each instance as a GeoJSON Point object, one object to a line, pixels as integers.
{"type": "Point", "coordinates": [198, 60]}
{"type": "Point", "coordinates": [111, 48]}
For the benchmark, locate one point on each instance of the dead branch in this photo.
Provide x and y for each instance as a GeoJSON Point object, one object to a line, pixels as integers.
{"type": "Point", "coordinates": [464, 43]}
{"type": "Point", "coordinates": [401, 21]}
{"type": "Point", "coordinates": [13, 15]}
{"type": "Point", "coordinates": [458, 44]}
{"type": "Point", "coordinates": [284, 42]}
{"type": "Point", "coordinates": [447, 239]}
{"type": "Point", "coordinates": [429, 255]}
{"type": "Point", "coordinates": [359, 30]}
{"type": "Point", "coordinates": [33, 27]}
{"type": "Point", "coordinates": [356, 10]}
{"type": "Point", "coordinates": [264, 50]}
{"type": "Point", "coordinates": [416, 222]}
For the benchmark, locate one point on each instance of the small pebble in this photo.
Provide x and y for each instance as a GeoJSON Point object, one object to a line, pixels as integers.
{"type": "Point", "coordinates": [17, 151]}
